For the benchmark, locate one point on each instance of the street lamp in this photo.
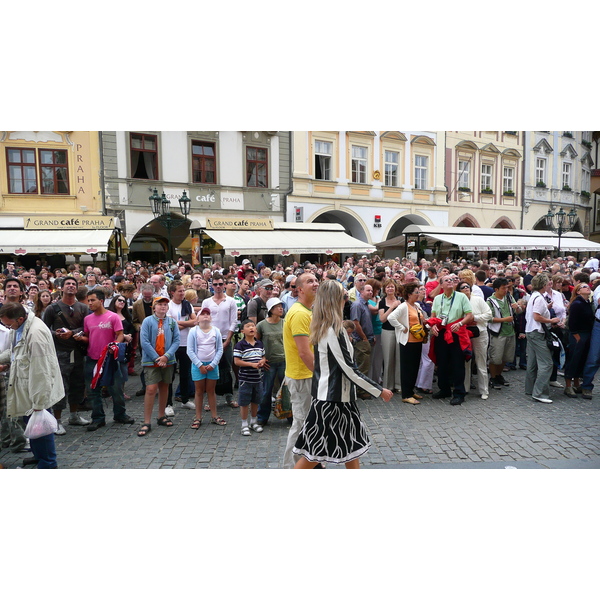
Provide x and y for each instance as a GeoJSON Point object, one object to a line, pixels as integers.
{"type": "Point", "coordinates": [161, 209]}
{"type": "Point", "coordinates": [560, 217]}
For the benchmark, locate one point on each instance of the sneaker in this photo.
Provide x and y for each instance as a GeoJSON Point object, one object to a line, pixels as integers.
{"type": "Point", "coordinates": [500, 379]}
{"type": "Point", "coordinates": [570, 393]}
{"type": "Point", "coordinates": [169, 412]}
{"type": "Point", "coordinates": [141, 392]}
{"type": "Point", "coordinates": [189, 405]}
{"type": "Point", "coordinates": [495, 384]}
{"type": "Point", "coordinates": [484, 396]}
{"type": "Point", "coordinates": [256, 427]}
{"type": "Point", "coordinates": [60, 430]}
{"type": "Point", "coordinates": [556, 384]}
{"type": "Point", "coordinates": [587, 394]}
{"type": "Point", "coordinates": [246, 430]}
{"type": "Point", "coordinates": [544, 400]}
{"type": "Point", "coordinates": [77, 419]}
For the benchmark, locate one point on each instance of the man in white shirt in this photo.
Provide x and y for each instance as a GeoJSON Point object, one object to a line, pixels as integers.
{"type": "Point", "coordinates": [223, 310]}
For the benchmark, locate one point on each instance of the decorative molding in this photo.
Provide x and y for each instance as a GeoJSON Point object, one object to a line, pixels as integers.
{"type": "Point", "coordinates": [36, 136]}
{"type": "Point", "coordinates": [511, 152]}
{"type": "Point", "coordinates": [466, 144]}
{"type": "Point", "coordinates": [587, 159]}
{"type": "Point", "coordinates": [422, 139]}
{"type": "Point", "coordinates": [543, 146]}
{"type": "Point", "coordinates": [490, 148]}
{"type": "Point", "coordinates": [365, 133]}
{"type": "Point", "coordinates": [570, 150]}
{"type": "Point", "coordinates": [393, 135]}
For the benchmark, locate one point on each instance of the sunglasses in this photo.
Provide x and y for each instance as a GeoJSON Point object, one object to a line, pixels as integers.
{"type": "Point", "coordinates": [464, 287]}
{"type": "Point", "coordinates": [120, 299]}
{"type": "Point", "coordinates": [218, 284]}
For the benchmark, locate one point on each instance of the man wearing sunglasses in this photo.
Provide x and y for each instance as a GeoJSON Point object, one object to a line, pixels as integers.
{"type": "Point", "coordinates": [65, 320]}
{"type": "Point", "coordinates": [223, 312]}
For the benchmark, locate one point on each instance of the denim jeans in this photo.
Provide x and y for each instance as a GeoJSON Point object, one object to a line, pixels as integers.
{"type": "Point", "coordinates": [578, 352]}
{"type": "Point", "coordinates": [593, 359]}
{"type": "Point", "coordinates": [186, 387]}
{"type": "Point", "coordinates": [95, 396]}
{"type": "Point", "coordinates": [44, 450]}
{"type": "Point", "coordinates": [276, 371]}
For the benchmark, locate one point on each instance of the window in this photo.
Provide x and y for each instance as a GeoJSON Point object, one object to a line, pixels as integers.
{"type": "Point", "coordinates": [420, 172]}
{"type": "Point", "coordinates": [508, 180]}
{"type": "Point", "coordinates": [486, 177]}
{"type": "Point", "coordinates": [323, 152]}
{"type": "Point", "coordinates": [256, 167]}
{"type": "Point", "coordinates": [540, 170]}
{"type": "Point", "coordinates": [359, 164]}
{"type": "Point", "coordinates": [203, 162]}
{"type": "Point", "coordinates": [586, 136]}
{"type": "Point", "coordinates": [23, 171]}
{"type": "Point", "coordinates": [22, 177]}
{"type": "Point", "coordinates": [464, 174]}
{"type": "Point", "coordinates": [566, 175]}
{"type": "Point", "coordinates": [54, 171]}
{"type": "Point", "coordinates": [144, 156]}
{"type": "Point", "coordinates": [391, 169]}
{"type": "Point", "coordinates": [585, 180]}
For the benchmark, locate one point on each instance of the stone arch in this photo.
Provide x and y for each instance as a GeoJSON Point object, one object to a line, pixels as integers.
{"type": "Point", "coordinates": [503, 223]}
{"type": "Point", "coordinates": [351, 222]}
{"type": "Point", "coordinates": [466, 220]}
{"type": "Point", "coordinates": [154, 235]}
{"type": "Point", "coordinates": [398, 226]}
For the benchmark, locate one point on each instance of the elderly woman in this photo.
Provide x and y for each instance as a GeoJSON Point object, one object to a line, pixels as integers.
{"type": "Point", "coordinates": [539, 357]}
{"type": "Point", "coordinates": [581, 323]}
{"type": "Point", "coordinates": [482, 314]}
{"type": "Point", "coordinates": [403, 318]}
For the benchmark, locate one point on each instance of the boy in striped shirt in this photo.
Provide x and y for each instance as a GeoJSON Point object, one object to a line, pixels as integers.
{"type": "Point", "coordinates": [249, 356]}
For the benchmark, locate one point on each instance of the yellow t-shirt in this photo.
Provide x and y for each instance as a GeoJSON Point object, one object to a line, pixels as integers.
{"type": "Point", "coordinates": [297, 322]}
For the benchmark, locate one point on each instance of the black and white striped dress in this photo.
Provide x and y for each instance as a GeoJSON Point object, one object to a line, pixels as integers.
{"type": "Point", "coordinates": [333, 430]}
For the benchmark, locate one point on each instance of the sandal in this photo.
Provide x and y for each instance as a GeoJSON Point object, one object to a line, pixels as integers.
{"type": "Point", "coordinates": [144, 429]}
{"type": "Point", "coordinates": [196, 423]}
{"type": "Point", "coordinates": [246, 430]}
{"type": "Point", "coordinates": [206, 407]}
{"type": "Point", "coordinates": [218, 421]}
{"type": "Point", "coordinates": [417, 397]}
{"type": "Point", "coordinates": [165, 421]}
{"type": "Point", "coordinates": [232, 403]}
{"type": "Point", "coordinates": [410, 401]}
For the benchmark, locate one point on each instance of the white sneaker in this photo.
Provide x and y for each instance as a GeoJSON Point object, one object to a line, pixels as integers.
{"type": "Point", "coordinates": [484, 396]}
{"type": "Point", "coordinates": [60, 430]}
{"type": "Point", "coordinates": [189, 405]}
{"type": "Point", "coordinates": [77, 419]}
{"type": "Point", "coordinates": [557, 384]}
{"type": "Point", "coordinates": [169, 412]}
{"type": "Point", "coordinates": [544, 400]}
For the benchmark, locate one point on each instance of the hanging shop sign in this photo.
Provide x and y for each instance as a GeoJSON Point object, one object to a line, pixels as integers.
{"type": "Point", "coordinates": [239, 223]}
{"type": "Point", "coordinates": [69, 222]}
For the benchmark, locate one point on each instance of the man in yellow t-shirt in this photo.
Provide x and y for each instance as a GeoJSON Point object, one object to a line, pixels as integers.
{"type": "Point", "coordinates": [299, 359]}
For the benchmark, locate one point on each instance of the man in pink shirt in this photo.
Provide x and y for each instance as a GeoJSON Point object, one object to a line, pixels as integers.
{"type": "Point", "coordinates": [99, 328]}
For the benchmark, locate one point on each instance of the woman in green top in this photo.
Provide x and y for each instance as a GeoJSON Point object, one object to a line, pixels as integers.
{"type": "Point", "coordinates": [270, 332]}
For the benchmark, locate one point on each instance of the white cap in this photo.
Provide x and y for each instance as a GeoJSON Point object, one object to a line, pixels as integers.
{"type": "Point", "coordinates": [245, 262]}
{"type": "Point", "coordinates": [271, 302]}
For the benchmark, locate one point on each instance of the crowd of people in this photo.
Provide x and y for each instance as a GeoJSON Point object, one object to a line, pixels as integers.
{"type": "Point", "coordinates": [329, 333]}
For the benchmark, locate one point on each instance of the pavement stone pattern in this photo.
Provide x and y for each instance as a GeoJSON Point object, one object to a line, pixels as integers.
{"type": "Point", "coordinates": [506, 431]}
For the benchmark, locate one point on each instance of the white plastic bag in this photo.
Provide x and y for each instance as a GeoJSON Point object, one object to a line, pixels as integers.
{"type": "Point", "coordinates": [40, 423]}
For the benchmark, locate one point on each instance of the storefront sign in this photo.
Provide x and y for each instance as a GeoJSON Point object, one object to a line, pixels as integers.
{"type": "Point", "coordinates": [195, 251]}
{"type": "Point", "coordinates": [69, 222]}
{"type": "Point", "coordinates": [232, 200]}
{"type": "Point", "coordinates": [239, 223]}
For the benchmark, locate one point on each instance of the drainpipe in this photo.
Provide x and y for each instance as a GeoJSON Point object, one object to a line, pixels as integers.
{"type": "Point", "coordinates": [523, 183]}
{"type": "Point", "coordinates": [285, 196]}
{"type": "Point", "coordinates": [102, 173]}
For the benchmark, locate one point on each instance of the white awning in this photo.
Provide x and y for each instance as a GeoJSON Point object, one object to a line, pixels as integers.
{"type": "Point", "coordinates": [570, 244]}
{"type": "Point", "coordinates": [483, 242]}
{"type": "Point", "coordinates": [72, 241]}
{"type": "Point", "coordinates": [287, 242]}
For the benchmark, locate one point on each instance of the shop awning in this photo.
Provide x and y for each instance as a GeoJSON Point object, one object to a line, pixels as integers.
{"type": "Point", "coordinates": [320, 239]}
{"type": "Point", "coordinates": [471, 239]}
{"type": "Point", "coordinates": [73, 241]}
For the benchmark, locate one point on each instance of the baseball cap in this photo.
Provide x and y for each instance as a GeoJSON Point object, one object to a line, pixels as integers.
{"type": "Point", "coordinates": [289, 278]}
{"type": "Point", "coordinates": [271, 302]}
{"type": "Point", "coordinates": [205, 310]}
{"type": "Point", "coordinates": [264, 283]}
{"type": "Point", "coordinates": [593, 276]}
{"type": "Point", "coordinates": [245, 262]}
{"type": "Point", "coordinates": [160, 299]}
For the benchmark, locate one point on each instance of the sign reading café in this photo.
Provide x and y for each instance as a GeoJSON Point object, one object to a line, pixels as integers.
{"type": "Point", "coordinates": [69, 222]}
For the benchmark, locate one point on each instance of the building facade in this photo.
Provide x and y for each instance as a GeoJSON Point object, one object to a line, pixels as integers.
{"type": "Point", "coordinates": [224, 173]}
{"type": "Point", "coordinates": [484, 174]}
{"type": "Point", "coordinates": [50, 180]}
{"type": "Point", "coordinates": [595, 188]}
{"type": "Point", "coordinates": [558, 168]}
{"type": "Point", "coordinates": [374, 183]}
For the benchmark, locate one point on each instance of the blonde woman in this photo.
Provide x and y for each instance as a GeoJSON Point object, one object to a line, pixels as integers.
{"type": "Point", "coordinates": [333, 431]}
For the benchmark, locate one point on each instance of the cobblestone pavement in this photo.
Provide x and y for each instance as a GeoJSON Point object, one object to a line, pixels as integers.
{"type": "Point", "coordinates": [507, 430]}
